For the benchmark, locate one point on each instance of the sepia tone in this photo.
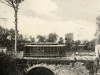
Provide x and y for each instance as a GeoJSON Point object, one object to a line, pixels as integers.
{"type": "Point", "coordinates": [49, 37]}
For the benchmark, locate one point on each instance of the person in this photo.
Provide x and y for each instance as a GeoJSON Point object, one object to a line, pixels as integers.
{"type": "Point", "coordinates": [97, 51]}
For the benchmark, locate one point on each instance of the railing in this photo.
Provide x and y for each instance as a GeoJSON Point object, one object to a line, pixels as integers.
{"type": "Point", "coordinates": [18, 54]}
{"type": "Point", "coordinates": [46, 54]}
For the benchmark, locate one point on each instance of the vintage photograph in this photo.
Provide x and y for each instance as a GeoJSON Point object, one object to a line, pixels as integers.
{"type": "Point", "coordinates": [49, 37]}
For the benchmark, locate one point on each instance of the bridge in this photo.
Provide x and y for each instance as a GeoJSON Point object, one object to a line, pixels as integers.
{"type": "Point", "coordinates": [54, 66]}
{"type": "Point", "coordinates": [70, 64]}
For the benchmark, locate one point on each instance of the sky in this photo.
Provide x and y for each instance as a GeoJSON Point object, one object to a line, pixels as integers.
{"type": "Point", "coordinates": [41, 17]}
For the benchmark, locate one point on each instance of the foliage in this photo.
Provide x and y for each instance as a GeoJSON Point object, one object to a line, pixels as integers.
{"type": "Point", "coordinates": [97, 34]}
{"type": "Point", "coordinates": [7, 39]}
{"type": "Point", "coordinates": [32, 39]}
{"type": "Point", "coordinates": [98, 25]}
{"type": "Point", "coordinates": [41, 38]}
{"type": "Point", "coordinates": [69, 41]}
{"type": "Point", "coordinates": [61, 40]}
{"type": "Point", "coordinates": [7, 65]}
{"type": "Point", "coordinates": [77, 42]}
{"type": "Point", "coordinates": [52, 37]}
{"type": "Point", "coordinates": [15, 5]}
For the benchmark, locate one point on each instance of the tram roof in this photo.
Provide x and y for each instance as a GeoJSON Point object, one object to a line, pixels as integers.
{"type": "Point", "coordinates": [44, 45]}
{"type": "Point", "coordinates": [81, 45]}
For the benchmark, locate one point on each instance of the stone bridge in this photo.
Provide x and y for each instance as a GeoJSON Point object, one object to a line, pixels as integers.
{"type": "Point", "coordinates": [49, 69]}
{"type": "Point", "coordinates": [53, 66]}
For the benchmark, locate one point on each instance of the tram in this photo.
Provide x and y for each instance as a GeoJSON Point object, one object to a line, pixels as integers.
{"type": "Point", "coordinates": [44, 50]}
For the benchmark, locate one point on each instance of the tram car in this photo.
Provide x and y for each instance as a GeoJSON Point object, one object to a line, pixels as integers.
{"type": "Point", "coordinates": [44, 50]}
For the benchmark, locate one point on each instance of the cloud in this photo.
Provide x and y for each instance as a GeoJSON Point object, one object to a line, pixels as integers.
{"type": "Point", "coordinates": [40, 17]}
{"type": "Point", "coordinates": [78, 9]}
{"type": "Point", "coordinates": [40, 7]}
{"type": "Point", "coordinates": [44, 9]}
{"type": "Point", "coordinates": [36, 26]}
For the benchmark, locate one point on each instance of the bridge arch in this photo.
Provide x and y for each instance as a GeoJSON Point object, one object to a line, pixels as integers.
{"type": "Point", "coordinates": [40, 71]}
{"type": "Point", "coordinates": [45, 67]}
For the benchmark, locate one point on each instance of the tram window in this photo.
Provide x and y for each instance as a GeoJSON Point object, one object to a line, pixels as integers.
{"type": "Point", "coordinates": [31, 48]}
{"type": "Point", "coordinates": [41, 48]}
{"type": "Point", "coordinates": [46, 48]}
{"type": "Point", "coordinates": [34, 48]}
{"type": "Point", "coordinates": [38, 48]}
{"type": "Point", "coordinates": [27, 50]}
{"type": "Point", "coordinates": [52, 48]}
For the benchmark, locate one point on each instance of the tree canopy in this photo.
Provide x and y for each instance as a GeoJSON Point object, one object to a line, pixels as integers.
{"type": "Point", "coordinates": [52, 37]}
{"type": "Point", "coordinates": [69, 41]}
{"type": "Point", "coordinates": [41, 38]}
{"type": "Point", "coordinates": [61, 41]}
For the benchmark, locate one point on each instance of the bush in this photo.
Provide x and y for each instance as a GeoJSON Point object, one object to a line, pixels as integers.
{"type": "Point", "coordinates": [7, 65]}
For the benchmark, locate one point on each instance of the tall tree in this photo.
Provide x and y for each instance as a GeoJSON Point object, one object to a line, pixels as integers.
{"type": "Point", "coordinates": [15, 5]}
{"type": "Point", "coordinates": [77, 42]}
{"type": "Point", "coordinates": [87, 44]}
{"type": "Point", "coordinates": [69, 41]}
{"type": "Point", "coordinates": [3, 36]}
{"type": "Point", "coordinates": [92, 44]}
{"type": "Point", "coordinates": [41, 38]}
{"type": "Point", "coordinates": [32, 39]}
{"type": "Point", "coordinates": [98, 30]}
{"type": "Point", "coordinates": [52, 37]}
{"type": "Point", "coordinates": [11, 39]}
{"type": "Point", "coordinates": [61, 41]}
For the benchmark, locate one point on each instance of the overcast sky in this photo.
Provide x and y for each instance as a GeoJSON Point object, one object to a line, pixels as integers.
{"type": "Point", "coordinates": [59, 16]}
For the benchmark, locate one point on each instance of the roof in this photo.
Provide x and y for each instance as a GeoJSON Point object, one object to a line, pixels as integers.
{"type": "Point", "coordinates": [44, 45]}
{"type": "Point", "coordinates": [81, 45]}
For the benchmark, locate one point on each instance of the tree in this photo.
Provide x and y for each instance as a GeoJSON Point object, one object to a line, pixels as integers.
{"type": "Point", "coordinates": [4, 33]}
{"type": "Point", "coordinates": [97, 34]}
{"type": "Point", "coordinates": [77, 42]}
{"type": "Point", "coordinates": [32, 39]}
{"type": "Point", "coordinates": [69, 41]}
{"type": "Point", "coordinates": [52, 37]}
{"type": "Point", "coordinates": [41, 38]}
{"type": "Point", "coordinates": [12, 34]}
{"type": "Point", "coordinates": [14, 4]}
{"type": "Point", "coordinates": [92, 44]}
{"type": "Point", "coordinates": [20, 44]}
{"type": "Point", "coordinates": [8, 65]}
{"type": "Point", "coordinates": [20, 37]}
{"type": "Point", "coordinates": [87, 44]}
{"type": "Point", "coordinates": [61, 40]}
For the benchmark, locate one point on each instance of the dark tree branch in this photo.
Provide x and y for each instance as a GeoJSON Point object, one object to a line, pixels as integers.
{"type": "Point", "coordinates": [5, 3]}
{"type": "Point", "coordinates": [8, 2]}
{"type": "Point", "coordinates": [12, 4]}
